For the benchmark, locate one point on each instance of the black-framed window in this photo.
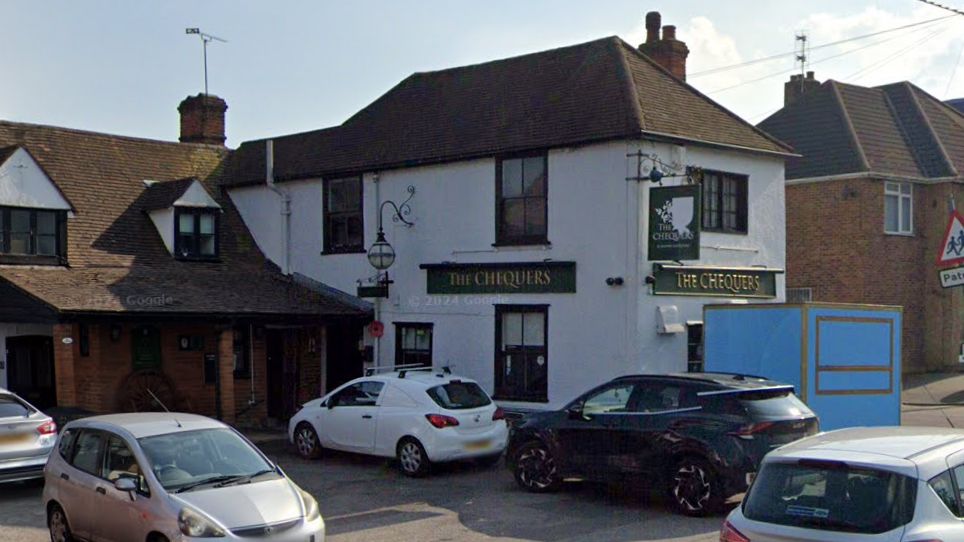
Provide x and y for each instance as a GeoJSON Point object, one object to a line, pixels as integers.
{"type": "Point", "coordinates": [343, 218]}
{"type": "Point", "coordinates": [521, 200]}
{"type": "Point", "coordinates": [32, 235]}
{"type": "Point", "coordinates": [694, 347]}
{"type": "Point", "coordinates": [242, 351]}
{"type": "Point", "coordinates": [196, 235]}
{"type": "Point", "coordinates": [724, 202]}
{"type": "Point", "coordinates": [522, 352]}
{"type": "Point", "coordinates": [413, 344]}
{"type": "Point", "coordinates": [83, 330]}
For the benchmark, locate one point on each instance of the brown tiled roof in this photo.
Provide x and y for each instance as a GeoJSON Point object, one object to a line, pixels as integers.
{"type": "Point", "coordinates": [896, 129]}
{"type": "Point", "coordinates": [7, 152]}
{"type": "Point", "coordinates": [161, 195]}
{"type": "Point", "coordinates": [117, 260]}
{"type": "Point", "coordinates": [599, 90]}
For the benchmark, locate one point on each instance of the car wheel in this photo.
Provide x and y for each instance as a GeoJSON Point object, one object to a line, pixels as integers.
{"type": "Point", "coordinates": [490, 460]}
{"type": "Point", "coordinates": [58, 526]}
{"type": "Point", "coordinates": [535, 468]}
{"type": "Point", "coordinates": [412, 459]}
{"type": "Point", "coordinates": [306, 440]}
{"type": "Point", "coordinates": [694, 487]}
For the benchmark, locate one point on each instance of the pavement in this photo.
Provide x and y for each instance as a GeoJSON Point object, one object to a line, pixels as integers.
{"type": "Point", "coordinates": [933, 399]}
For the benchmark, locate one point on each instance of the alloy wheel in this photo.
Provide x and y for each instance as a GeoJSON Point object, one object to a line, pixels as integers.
{"type": "Point", "coordinates": [537, 469]}
{"type": "Point", "coordinates": [410, 456]}
{"type": "Point", "coordinates": [691, 487]}
{"type": "Point", "coordinates": [59, 532]}
{"type": "Point", "coordinates": [306, 440]}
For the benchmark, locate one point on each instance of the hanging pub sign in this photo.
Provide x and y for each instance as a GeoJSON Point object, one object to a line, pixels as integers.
{"type": "Point", "coordinates": [501, 278]}
{"type": "Point", "coordinates": [714, 281]}
{"type": "Point", "coordinates": [674, 222]}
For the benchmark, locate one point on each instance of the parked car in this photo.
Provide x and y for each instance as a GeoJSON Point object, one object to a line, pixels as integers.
{"type": "Point", "coordinates": [26, 438]}
{"type": "Point", "coordinates": [164, 477]}
{"type": "Point", "coordinates": [867, 484]}
{"type": "Point", "coordinates": [419, 417]}
{"type": "Point", "coordinates": [701, 436]}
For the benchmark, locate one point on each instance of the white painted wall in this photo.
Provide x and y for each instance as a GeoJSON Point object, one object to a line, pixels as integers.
{"type": "Point", "coordinates": [594, 219]}
{"type": "Point", "coordinates": [16, 330]}
{"type": "Point", "coordinates": [24, 184]}
{"type": "Point", "coordinates": [163, 220]}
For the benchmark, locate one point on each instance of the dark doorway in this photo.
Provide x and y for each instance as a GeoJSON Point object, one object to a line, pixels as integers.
{"type": "Point", "coordinates": [344, 359]}
{"type": "Point", "coordinates": [30, 369]}
{"type": "Point", "coordinates": [275, 346]}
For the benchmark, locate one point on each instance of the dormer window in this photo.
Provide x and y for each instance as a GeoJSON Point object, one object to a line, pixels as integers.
{"type": "Point", "coordinates": [32, 235]}
{"type": "Point", "coordinates": [186, 217]}
{"type": "Point", "coordinates": [197, 233]}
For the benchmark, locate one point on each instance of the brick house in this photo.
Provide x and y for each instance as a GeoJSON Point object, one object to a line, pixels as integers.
{"type": "Point", "coordinates": [867, 204]}
{"type": "Point", "coordinates": [125, 271]}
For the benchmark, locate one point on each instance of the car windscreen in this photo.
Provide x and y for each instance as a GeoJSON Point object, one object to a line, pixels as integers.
{"type": "Point", "coordinates": [773, 404]}
{"type": "Point", "coordinates": [831, 496]}
{"type": "Point", "coordinates": [459, 395]}
{"type": "Point", "coordinates": [11, 407]}
{"type": "Point", "coordinates": [185, 459]}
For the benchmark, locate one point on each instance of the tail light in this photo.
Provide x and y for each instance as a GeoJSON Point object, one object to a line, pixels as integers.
{"type": "Point", "coordinates": [499, 414]}
{"type": "Point", "coordinates": [729, 534]}
{"type": "Point", "coordinates": [440, 421]}
{"type": "Point", "coordinates": [48, 428]}
{"type": "Point", "coordinates": [747, 431]}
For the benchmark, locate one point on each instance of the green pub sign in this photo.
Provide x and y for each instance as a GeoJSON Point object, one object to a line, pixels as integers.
{"type": "Point", "coordinates": [674, 222]}
{"type": "Point", "coordinates": [501, 278]}
{"type": "Point", "coordinates": [715, 281]}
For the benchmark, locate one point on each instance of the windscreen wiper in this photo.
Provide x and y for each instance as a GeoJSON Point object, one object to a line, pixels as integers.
{"type": "Point", "coordinates": [210, 480]}
{"type": "Point", "coordinates": [243, 478]}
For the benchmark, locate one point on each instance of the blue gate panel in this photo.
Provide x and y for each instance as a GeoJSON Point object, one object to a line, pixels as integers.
{"type": "Point", "coordinates": [839, 347]}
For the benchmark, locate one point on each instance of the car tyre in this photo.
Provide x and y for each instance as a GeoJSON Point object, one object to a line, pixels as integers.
{"type": "Point", "coordinates": [307, 442]}
{"type": "Point", "coordinates": [58, 526]}
{"type": "Point", "coordinates": [695, 488]}
{"type": "Point", "coordinates": [412, 459]}
{"type": "Point", "coordinates": [490, 460]}
{"type": "Point", "coordinates": [535, 468]}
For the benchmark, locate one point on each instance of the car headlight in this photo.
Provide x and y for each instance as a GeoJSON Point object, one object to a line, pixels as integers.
{"type": "Point", "coordinates": [193, 523]}
{"type": "Point", "coordinates": [311, 507]}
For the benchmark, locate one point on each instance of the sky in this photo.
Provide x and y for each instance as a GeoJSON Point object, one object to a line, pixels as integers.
{"type": "Point", "coordinates": [291, 66]}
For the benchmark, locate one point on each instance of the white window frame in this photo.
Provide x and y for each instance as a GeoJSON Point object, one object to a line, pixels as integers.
{"type": "Point", "coordinates": [895, 189]}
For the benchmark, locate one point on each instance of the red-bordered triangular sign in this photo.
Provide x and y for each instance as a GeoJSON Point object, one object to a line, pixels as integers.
{"type": "Point", "coordinates": [952, 249]}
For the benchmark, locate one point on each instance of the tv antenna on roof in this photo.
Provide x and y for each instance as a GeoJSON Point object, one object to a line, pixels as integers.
{"type": "Point", "coordinates": [205, 38]}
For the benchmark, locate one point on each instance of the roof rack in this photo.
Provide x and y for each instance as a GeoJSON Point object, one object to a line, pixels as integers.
{"type": "Point", "coordinates": [391, 368]}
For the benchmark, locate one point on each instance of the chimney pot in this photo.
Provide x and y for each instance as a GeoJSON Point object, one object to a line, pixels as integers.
{"type": "Point", "coordinates": [653, 21]}
{"type": "Point", "coordinates": [668, 52]}
{"type": "Point", "coordinates": [797, 86]}
{"type": "Point", "coordinates": [202, 119]}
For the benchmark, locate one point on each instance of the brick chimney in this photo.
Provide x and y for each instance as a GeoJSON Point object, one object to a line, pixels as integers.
{"type": "Point", "coordinates": [668, 52]}
{"type": "Point", "coordinates": [797, 86]}
{"type": "Point", "coordinates": [202, 119]}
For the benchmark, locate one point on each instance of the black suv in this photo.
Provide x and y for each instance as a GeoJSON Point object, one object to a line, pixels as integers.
{"type": "Point", "coordinates": [701, 435]}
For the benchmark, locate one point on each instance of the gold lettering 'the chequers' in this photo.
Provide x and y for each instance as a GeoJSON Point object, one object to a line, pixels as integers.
{"type": "Point", "coordinates": [513, 279]}
{"type": "Point", "coordinates": [709, 280]}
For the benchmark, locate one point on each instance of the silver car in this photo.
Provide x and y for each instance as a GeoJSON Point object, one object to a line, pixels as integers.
{"type": "Point", "coordinates": [877, 484]}
{"type": "Point", "coordinates": [167, 477]}
{"type": "Point", "coordinates": [26, 438]}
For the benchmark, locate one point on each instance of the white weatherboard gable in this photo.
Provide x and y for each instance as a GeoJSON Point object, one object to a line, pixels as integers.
{"type": "Point", "coordinates": [163, 220]}
{"type": "Point", "coordinates": [196, 196]}
{"type": "Point", "coordinates": [24, 184]}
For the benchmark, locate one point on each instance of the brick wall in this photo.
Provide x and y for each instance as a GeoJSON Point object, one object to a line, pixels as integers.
{"type": "Point", "coordinates": [836, 245]}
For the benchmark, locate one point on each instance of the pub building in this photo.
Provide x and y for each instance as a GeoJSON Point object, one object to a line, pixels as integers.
{"type": "Point", "coordinates": [541, 223]}
{"type": "Point", "coordinates": [126, 275]}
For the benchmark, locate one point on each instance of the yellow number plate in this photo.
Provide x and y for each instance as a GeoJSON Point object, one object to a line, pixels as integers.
{"type": "Point", "coordinates": [14, 439]}
{"type": "Point", "coordinates": [478, 445]}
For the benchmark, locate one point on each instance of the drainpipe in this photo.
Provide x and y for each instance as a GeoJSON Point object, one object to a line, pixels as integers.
{"type": "Point", "coordinates": [285, 207]}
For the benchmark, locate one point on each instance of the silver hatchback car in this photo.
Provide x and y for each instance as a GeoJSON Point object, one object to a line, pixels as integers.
{"type": "Point", "coordinates": [168, 477]}
{"type": "Point", "coordinates": [26, 438]}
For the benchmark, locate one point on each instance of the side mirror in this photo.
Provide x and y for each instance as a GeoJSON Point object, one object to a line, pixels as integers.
{"type": "Point", "coordinates": [575, 412]}
{"type": "Point", "coordinates": [127, 485]}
